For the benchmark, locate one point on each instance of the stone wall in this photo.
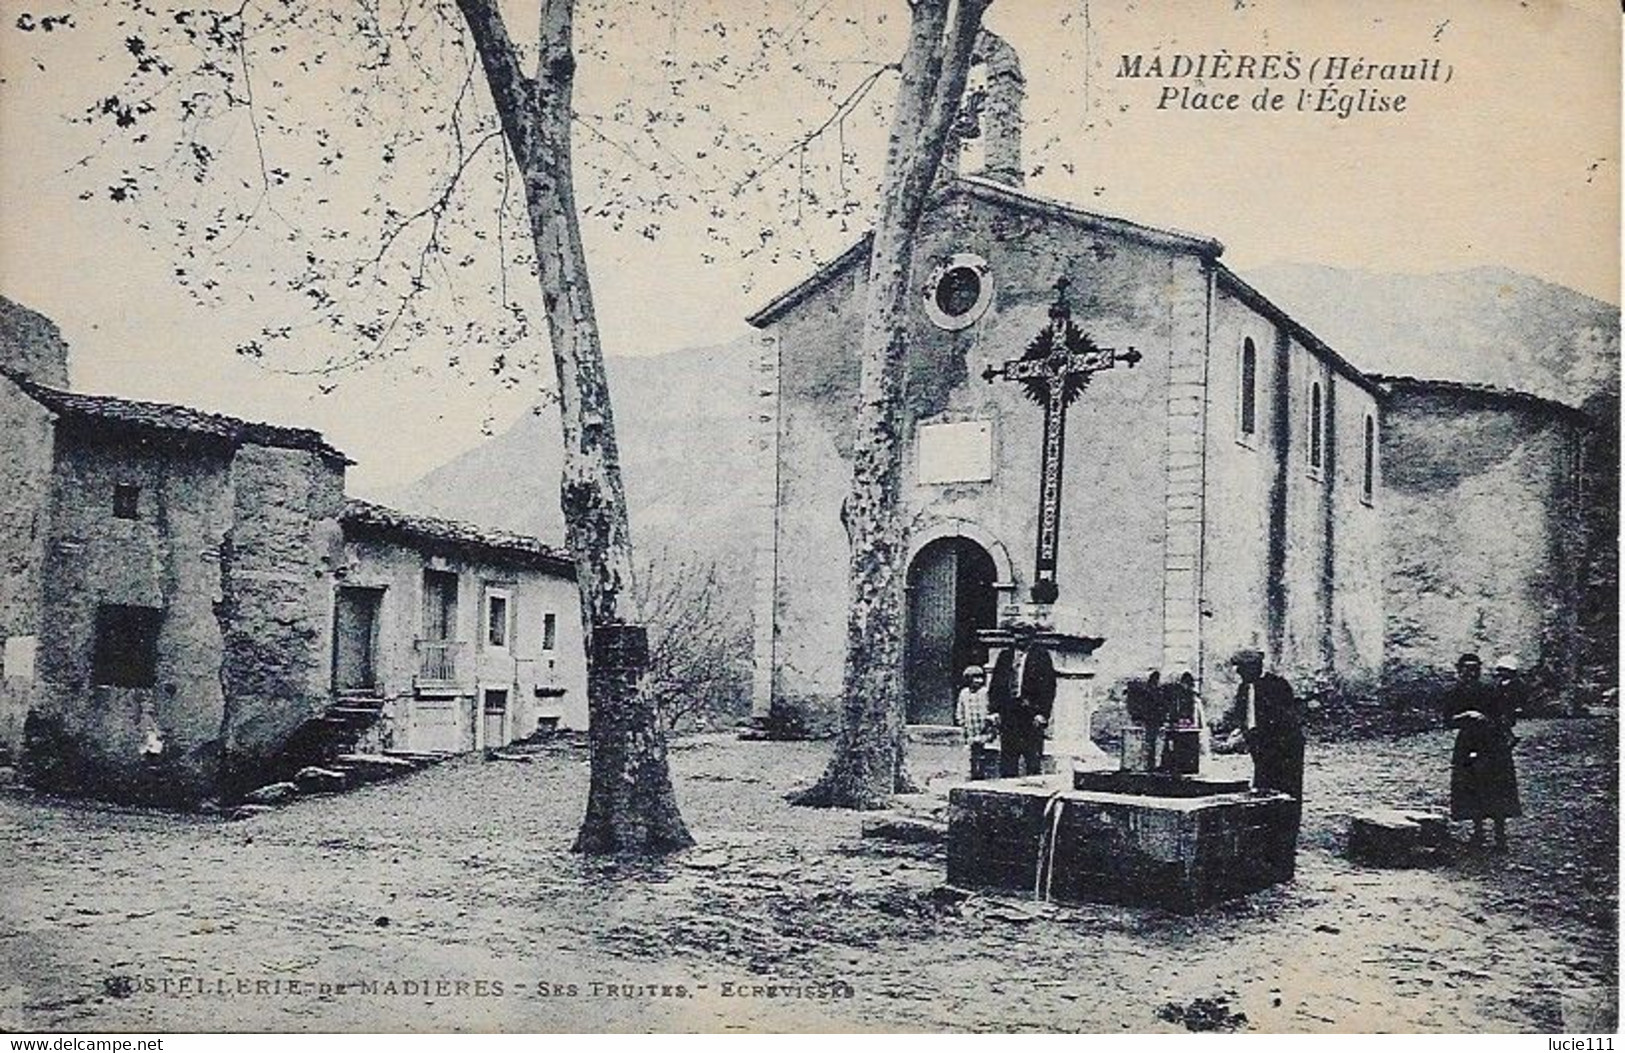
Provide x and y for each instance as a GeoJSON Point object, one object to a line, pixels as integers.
{"type": "Point", "coordinates": [1482, 534]}
{"type": "Point", "coordinates": [32, 345]}
{"type": "Point", "coordinates": [1293, 555]}
{"type": "Point", "coordinates": [278, 561]}
{"type": "Point", "coordinates": [90, 736]}
{"type": "Point", "coordinates": [25, 479]}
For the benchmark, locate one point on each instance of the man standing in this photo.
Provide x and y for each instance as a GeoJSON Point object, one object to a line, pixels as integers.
{"type": "Point", "coordinates": [1020, 699]}
{"type": "Point", "coordinates": [1266, 717]}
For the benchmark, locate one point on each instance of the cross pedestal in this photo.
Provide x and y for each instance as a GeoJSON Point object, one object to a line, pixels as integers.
{"type": "Point", "coordinates": [1060, 631]}
{"type": "Point", "coordinates": [1070, 740]}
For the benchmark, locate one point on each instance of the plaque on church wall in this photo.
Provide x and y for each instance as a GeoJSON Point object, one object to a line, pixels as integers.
{"type": "Point", "coordinates": [956, 453]}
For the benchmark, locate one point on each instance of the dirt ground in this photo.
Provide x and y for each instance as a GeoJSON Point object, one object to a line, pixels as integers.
{"type": "Point", "coordinates": [449, 901]}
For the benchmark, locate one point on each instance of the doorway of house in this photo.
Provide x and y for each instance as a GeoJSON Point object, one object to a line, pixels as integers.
{"type": "Point", "coordinates": [496, 713]}
{"type": "Point", "coordinates": [355, 638]}
{"type": "Point", "coordinates": [950, 597]}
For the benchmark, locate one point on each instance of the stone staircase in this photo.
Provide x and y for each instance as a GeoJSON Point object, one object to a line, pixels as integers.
{"type": "Point", "coordinates": [351, 715]}
{"type": "Point", "coordinates": [336, 774]}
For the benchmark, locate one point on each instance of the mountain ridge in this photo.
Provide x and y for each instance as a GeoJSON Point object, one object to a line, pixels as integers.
{"type": "Point", "coordinates": [687, 420]}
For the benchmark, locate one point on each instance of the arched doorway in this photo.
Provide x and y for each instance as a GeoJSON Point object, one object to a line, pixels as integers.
{"type": "Point", "coordinates": [950, 597]}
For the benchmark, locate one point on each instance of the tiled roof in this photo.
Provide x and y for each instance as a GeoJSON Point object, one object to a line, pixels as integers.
{"type": "Point", "coordinates": [364, 517]}
{"type": "Point", "coordinates": [167, 417]}
{"type": "Point", "coordinates": [1462, 387]}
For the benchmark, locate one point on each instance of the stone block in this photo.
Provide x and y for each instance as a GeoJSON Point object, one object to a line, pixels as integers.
{"type": "Point", "coordinates": [321, 780]}
{"type": "Point", "coordinates": [275, 793]}
{"type": "Point", "coordinates": [905, 830]}
{"type": "Point", "coordinates": [1394, 837]}
{"type": "Point", "coordinates": [1181, 853]}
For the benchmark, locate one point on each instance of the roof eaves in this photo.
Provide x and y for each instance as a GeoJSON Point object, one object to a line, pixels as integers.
{"type": "Point", "coordinates": [776, 308]}
{"type": "Point", "coordinates": [175, 419]}
{"type": "Point", "coordinates": [1265, 306]}
{"type": "Point", "coordinates": [1389, 382]}
{"type": "Point", "coordinates": [367, 515]}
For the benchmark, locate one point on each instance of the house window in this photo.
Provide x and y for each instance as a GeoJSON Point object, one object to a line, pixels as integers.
{"type": "Point", "coordinates": [1249, 388]}
{"type": "Point", "coordinates": [550, 631]}
{"type": "Point", "coordinates": [1368, 476]}
{"type": "Point", "coordinates": [498, 609]}
{"type": "Point", "coordinates": [1316, 436]}
{"type": "Point", "coordinates": [439, 605]}
{"type": "Point", "coordinates": [126, 652]}
{"type": "Point", "coordinates": [126, 501]}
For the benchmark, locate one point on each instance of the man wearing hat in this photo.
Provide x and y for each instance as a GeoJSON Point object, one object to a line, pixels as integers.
{"type": "Point", "coordinates": [1266, 717]}
{"type": "Point", "coordinates": [1020, 697]}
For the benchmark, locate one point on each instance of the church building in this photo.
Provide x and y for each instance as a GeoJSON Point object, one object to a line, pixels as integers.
{"type": "Point", "coordinates": [1216, 481]}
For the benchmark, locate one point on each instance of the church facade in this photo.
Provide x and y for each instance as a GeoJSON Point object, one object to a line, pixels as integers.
{"type": "Point", "coordinates": [1216, 478]}
{"type": "Point", "coordinates": [1223, 492]}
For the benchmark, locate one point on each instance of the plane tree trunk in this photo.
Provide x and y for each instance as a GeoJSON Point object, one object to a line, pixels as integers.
{"type": "Point", "coordinates": [631, 806]}
{"type": "Point", "coordinates": [868, 765]}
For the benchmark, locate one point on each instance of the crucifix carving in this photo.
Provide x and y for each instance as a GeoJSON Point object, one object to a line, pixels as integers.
{"type": "Point", "coordinates": [1054, 370]}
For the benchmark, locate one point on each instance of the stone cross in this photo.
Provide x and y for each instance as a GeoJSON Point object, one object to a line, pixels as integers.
{"type": "Point", "coordinates": [1054, 371]}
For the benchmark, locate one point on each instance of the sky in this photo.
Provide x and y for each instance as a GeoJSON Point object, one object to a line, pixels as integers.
{"type": "Point", "coordinates": [1514, 161]}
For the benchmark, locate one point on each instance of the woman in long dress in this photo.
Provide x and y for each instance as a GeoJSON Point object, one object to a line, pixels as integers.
{"type": "Point", "coordinates": [1483, 778]}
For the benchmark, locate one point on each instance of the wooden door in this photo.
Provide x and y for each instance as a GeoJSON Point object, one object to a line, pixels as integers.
{"type": "Point", "coordinates": [929, 645]}
{"type": "Point", "coordinates": [950, 599]}
{"type": "Point", "coordinates": [355, 638]}
{"type": "Point", "coordinates": [496, 712]}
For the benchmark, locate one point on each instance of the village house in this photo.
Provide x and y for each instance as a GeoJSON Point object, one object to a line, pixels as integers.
{"type": "Point", "coordinates": [461, 638]}
{"type": "Point", "coordinates": [191, 606]}
{"type": "Point", "coordinates": [1229, 481]}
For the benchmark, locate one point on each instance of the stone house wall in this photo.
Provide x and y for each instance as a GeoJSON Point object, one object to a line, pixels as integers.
{"type": "Point", "coordinates": [277, 569]}
{"type": "Point", "coordinates": [25, 479]}
{"type": "Point", "coordinates": [1483, 531]}
{"type": "Point", "coordinates": [91, 736]}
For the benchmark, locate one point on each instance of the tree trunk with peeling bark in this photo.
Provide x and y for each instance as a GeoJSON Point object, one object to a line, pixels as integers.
{"type": "Point", "coordinates": [630, 805]}
{"type": "Point", "coordinates": [868, 764]}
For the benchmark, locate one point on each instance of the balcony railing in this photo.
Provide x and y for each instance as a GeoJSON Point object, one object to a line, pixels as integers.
{"type": "Point", "coordinates": [438, 662]}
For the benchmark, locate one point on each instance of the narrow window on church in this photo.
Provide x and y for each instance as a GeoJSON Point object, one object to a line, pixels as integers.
{"type": "Point", "coordinates": [1249, 387]}
{"type": "Point", "coordinates": [1368, 478]}
{"type": "Point", "coordinates": [1315, 427]}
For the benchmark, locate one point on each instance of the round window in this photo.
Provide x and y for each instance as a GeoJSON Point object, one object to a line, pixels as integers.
{"type": "Point", "coordinates": [959, 291]}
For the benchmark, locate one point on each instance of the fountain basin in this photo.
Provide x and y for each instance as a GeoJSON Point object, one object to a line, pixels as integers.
{"type": "Point", "coordinates": [1181, 853]}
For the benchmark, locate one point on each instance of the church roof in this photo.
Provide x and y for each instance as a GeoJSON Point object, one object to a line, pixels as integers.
{"type": "Point", "coordinates": [165, 417]}
{"type": "Point", "coordinates": [367, 518]}
{"type": "Point", "coordinates": [1488, 392]}
{"type": "Point", "coordinates": [1010, 197]}
{"type": "Point", "coordinates": [1026, 201]}
{"type": "Point", "coordinates": [1266, 307]}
